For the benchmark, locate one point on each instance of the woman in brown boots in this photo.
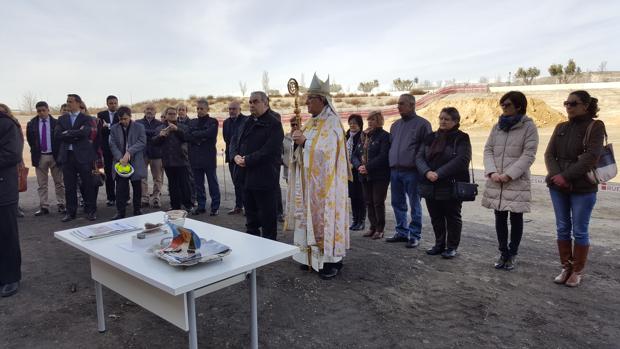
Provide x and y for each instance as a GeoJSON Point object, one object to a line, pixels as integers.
{"type": "Point", "coordinates": [370, 158]}
{"type": "Point", "coordinates": [573, 150]}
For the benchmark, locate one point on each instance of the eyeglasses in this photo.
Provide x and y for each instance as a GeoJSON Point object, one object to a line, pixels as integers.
{"type": "Point", "coordinates": [571, 104]}
{"type": "Point", "coordinates": [505, 104]}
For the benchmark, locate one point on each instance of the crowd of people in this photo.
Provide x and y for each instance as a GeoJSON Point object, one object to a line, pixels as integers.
{"type": "Point", "coordinates": [324, 165]}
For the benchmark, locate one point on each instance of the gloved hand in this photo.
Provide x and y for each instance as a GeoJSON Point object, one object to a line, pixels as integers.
{"type": "Point", "coordinates": [560, 181]}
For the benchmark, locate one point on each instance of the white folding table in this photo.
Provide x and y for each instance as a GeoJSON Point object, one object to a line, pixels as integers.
{"type": "Point", "coordinates": [168, 291]}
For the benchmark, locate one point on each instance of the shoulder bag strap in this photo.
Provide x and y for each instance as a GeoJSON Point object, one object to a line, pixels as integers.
{"type": "Point", "coordinates": [471, 161]}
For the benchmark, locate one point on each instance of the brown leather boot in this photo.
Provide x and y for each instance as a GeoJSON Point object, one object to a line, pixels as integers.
{"type": "Point", "coordinates": [369, 233]}
{"type": "Point", "coordinates": [565, 248]}
{"type": "Point", "coordinates": [580, 255]}
{"type": "Point", "coordinates": [378, 235]}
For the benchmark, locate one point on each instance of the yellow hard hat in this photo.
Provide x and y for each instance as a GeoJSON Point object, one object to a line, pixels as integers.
{"type": "Point", "coordinates": [124, 171]}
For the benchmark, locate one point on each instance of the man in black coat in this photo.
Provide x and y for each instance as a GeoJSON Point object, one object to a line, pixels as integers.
{"type": "Point", "coordinates": [44, 152]}
{"type": "Point", "coordinates": [258, 152]}
{"type": "Point", "coordinates": [10, 157]}
{"type": "Point", "coordinates": [230, 129]}
{"type": "Point", "coordinates": [108, 118]}
{"type": "Point", "coordinates": [172, 137]}
{"type": "Point", "coordinates": [76, 156]}
{"type": "Point", "coordinates": [202, 136]}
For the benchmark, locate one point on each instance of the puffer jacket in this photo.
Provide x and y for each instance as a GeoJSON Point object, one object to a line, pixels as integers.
{"type": "Point", "coordinates": [511, 153]}
{"type": "Point", "coordinates": [566, 155]}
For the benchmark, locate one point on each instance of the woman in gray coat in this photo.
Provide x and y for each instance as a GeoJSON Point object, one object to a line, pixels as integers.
{"type": "Point", "coordinates": [128, 143]}
{"type": "Point", "coordinates": [509, 153]}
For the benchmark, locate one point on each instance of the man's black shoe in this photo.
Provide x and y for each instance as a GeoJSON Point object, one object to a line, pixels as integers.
{"type": "Point", "coordinates": [412, 243]}
{"type": "Point", "coordinates": [328, 272]}
{"type": "Point", "coordinates": [137, 212]}
{"type": "Point", "coordinates": [110, 203]}
{"type": "Point", "coordinates": [41, 212]}
{"type": "Point", "coordinates": [118, 215]}
{"type": "Point", "coordinates": [67, 218]}
{"type": "Point", "coordinates": [91, 216]}
{"type": "Point", "coordinates": [435, 250]}
{"type": "Point", "coordinates": [214, 212]}
{"type": "Point", "coordinates": [62, 209]}
{"type": "Point", "coordinates": [197, 210]}
{"type": "Point", "coordinates": [510, 263]}
{"type": "Point", "coordinates": [396, 238]}
{"type": "Point", "coordinates": [9, 289]}
{"type": "Point", "coordinates": [449, 253]}
{"type": "Point", "coordinates": [304, 267]}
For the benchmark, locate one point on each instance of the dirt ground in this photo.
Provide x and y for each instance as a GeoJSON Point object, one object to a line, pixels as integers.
{"type": "Point", "coordinates": [386, 296]}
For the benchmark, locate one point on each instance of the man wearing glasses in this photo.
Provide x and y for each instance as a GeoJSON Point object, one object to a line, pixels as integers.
{"type": "Point", "coordinates": [44, 151]}
{"type": "Point", "coordinates": [318, 186]}
{"type": "Point", "coordinates": [257, 151]}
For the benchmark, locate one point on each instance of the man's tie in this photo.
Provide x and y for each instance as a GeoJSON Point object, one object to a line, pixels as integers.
{"type": "Point", "coordinates": [44, 136]}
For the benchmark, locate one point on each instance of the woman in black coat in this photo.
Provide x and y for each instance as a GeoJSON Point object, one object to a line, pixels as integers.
{"type": "Point", "coordinates": [442, 161]}
{"type": "Point", "coordinates": [353, 135]}
{"type": "Point", "coordinates": [371, 159]}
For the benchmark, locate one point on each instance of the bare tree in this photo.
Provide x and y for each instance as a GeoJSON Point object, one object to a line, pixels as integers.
{"type": "Point", "coordinates": [483, 80]}
{"type": "Point", "coordinates": [29, 99]}
{"type": "Point", "coordinates": [243, 86]}
{"type": "Point", "coordinates": [402, 85]}
{"type": "Point", "coordinates": [265, 81]}
{"type": "Point", "coordinates": [368, 86]}
{"type": "Point", "coordinates": [602, 67]}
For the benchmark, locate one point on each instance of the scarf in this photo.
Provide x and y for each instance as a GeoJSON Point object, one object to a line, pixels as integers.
{"type": "Point", "coordinates": [439, 142]}
{"type": "Point", "coordinates": [507, 122]}
{"type": "Point", "coordinates": [350, 142]}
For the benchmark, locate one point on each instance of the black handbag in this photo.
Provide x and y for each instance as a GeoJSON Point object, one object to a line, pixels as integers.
{"type": "Point", "coordinates": [465, 191]}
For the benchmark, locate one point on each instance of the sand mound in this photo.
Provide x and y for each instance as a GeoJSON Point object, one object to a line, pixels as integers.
{"type": "Point", "coordinates": [484, 111]}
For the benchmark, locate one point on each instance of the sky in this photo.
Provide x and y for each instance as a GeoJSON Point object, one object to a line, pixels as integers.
{"type": "Point", "coordinates": [140, 50]}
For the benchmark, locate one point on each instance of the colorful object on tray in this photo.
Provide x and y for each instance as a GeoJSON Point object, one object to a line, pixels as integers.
{"type": "Point", "coordinates": [183, 239]}
{"type": "Point", "coordinates": [186, 248]}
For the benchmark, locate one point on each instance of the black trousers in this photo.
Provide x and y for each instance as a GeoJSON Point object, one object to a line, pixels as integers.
{"type": "Point", "coordinates": [70, 171]}
{"type": "Point", "coordinates": [358, 206]}
{"type": "Point", "coordinates": [122, 193]}
{"type": "Point", "coordinates": [10, 253]}
{"type": "Point", "coordinates": [238, 186]}
{"type": "Point", "coordinates": [446, 221]}
{"type": "Point", "coordinates": [110, 191]}
{"type": "Point", "coordinates": [261, 211]}
{"type": "Point", "coordinates": [516, 232]}
{"type": "Point", "coordinates": [375, 193]}
{"type": "Point", "coordinates": [179, 187]}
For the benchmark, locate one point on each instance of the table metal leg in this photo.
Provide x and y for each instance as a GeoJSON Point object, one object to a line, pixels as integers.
{"type": "Point", "coordinates": [191, 317]}
{"type": "Point", "coordinates": [253, 312]}
{"type": "Point", "coordinates": [100, 313]}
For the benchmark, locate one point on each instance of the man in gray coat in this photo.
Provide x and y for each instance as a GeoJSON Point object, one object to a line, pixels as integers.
{"type": "Point", "coordinates": [406, 136]}
{"type": "Point", "coordinates": [128, 143]}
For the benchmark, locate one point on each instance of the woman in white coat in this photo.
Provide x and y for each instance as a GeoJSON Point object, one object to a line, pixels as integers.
{"type": "Point", "coordinates": [509, 153]}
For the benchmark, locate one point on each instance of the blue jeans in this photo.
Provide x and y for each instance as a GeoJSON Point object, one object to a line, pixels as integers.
{"type": "Point", "coordinates": [405, 184]}
{"type": "Point", "coordinates": [214, 187]}
{"type": "Point", "coordinates": [572, 215]}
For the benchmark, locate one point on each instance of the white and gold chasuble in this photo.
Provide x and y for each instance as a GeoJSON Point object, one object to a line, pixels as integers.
{"type": "Point", "coordinates": [318, 191]}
